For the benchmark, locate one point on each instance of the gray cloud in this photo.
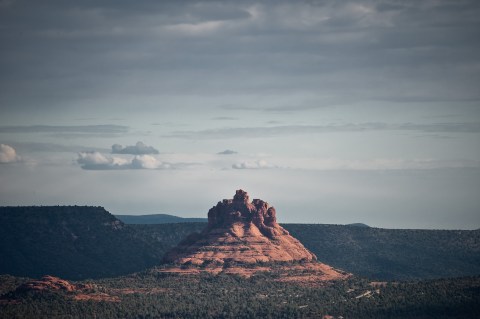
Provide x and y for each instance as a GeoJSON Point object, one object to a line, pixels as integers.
{"type": "Point", "coordinates": [409, 51]}
{"type": "Point", "coordinates": [227, 152]}
{"type": "Point", "coordinates": [138, 149]}
{"type": "Point", "coordinates": [87, 129]}
{"type": "Point", "coordinates": [225, 118]}
{"type": "Point", "coordinates": [255, 132]}
{"type": "Point", "coordinates": [279, 109]}
{"type": "Point", "coordinates": [294, 108]}
{"type": "Point", "coordinates": [53, 147]}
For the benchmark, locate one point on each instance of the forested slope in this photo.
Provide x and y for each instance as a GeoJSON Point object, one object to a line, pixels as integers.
{"type": "Point", "coordinates": [372, 252]}
{"type": "Point", "coordinates": [88, 242]}
{"type": "Point", "coordinates": [72, 242]}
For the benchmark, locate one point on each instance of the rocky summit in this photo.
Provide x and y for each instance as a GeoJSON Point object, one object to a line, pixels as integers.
{"type": "Point", "coordinates": [244, 237]}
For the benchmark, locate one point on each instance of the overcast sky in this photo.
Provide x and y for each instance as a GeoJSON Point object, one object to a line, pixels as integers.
{"type": "Point", "coordinates": [332, 111]}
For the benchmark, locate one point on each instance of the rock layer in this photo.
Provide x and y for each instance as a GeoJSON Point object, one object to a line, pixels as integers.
{"type": "Point", "coordinates": [240, 231]}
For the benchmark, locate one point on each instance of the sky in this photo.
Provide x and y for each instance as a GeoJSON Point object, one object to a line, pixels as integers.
{"type": "Point", "coordinates": [334, 112]}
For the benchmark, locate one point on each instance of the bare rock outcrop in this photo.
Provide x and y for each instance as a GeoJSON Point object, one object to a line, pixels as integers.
{"type": "Point", "coordinates": [75, 291]}
{"type": "Point", "coordinates": [243, 237]}
{"type": "Point", "coordinates": [240, 231]}
{"type": "Point", "coordinates": [50, 283]}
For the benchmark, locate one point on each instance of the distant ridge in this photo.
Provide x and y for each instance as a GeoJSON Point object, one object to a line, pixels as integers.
{"type": "Point", "coordinates": [158, 219]}
{"type": "Point", "coordinates": [72, 242]}
{"type": "Point", "coordinates": [358, 225]}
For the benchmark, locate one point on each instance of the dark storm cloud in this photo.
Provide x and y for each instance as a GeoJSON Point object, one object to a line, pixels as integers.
{"type": "Point", "coordinates": [138, 149]}
{"type": "Point", "coordinates": [255, 132]}
{"type": "Point", "coordinates": [54, 52]}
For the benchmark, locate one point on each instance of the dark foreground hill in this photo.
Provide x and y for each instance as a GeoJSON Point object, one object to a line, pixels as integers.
{"type": "Point", "coordinates": [71, 242]}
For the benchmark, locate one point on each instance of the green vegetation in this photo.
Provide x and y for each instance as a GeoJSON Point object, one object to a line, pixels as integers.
{"type": "Point", "coordinates": [71, 242]}
{"type": "Point", "coordinates": [155, 295]}
{"type": "Point", "coordinates": [87, 242]}
{"type": "Point", "coordinates": [393, 254]}
{"type": "Point", "coordinates": [75, 242]}
{"type": "Point", "coordinates": [382, 254]}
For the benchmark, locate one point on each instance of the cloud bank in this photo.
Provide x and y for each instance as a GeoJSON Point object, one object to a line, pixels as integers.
{"type": "Point", "coordinates": [88, 129]}
{"type": "Point", "coordinates": [256, 132]}
{"type": "Point", "coordinates": [391, 50]}
{"type": "Point", "coordinates": [380, 164]}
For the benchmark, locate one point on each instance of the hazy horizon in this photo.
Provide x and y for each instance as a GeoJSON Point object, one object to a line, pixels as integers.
{"type": "Point", "coordinates": [333, 112]}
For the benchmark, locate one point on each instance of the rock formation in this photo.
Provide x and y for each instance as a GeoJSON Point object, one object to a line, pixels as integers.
{"type": "Point", "coordinates": [240, 231]}
{"type": "Point", "coordinates": [75, 291]}
{"type": "Point", "coordinates": [243, 237]}
{"type": "Point", "coordinates": [49, 283]}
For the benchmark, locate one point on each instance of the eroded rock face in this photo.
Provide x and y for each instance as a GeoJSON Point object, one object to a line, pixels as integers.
{"type": "Point", "coordinates": [240, 231]}
{"type": "Point", "coordinates": [241, 210]}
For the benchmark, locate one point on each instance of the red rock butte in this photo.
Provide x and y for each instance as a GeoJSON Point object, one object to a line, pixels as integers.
{"type": "Point", "coordinates": [246, 233]}
{"type": "Point", "coordinates": [240, 231]}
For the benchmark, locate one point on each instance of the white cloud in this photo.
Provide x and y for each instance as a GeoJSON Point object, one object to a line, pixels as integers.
{"type": "Point", "coordinates": [99, 161]}
{"type": "Point", "coordinates": [259, 164]}
{"type": "Point", "coordinates": [148, 162]}
{"type": "Point", "coordinates": [196, 29]}
{"type": "Point", "coordinates": [8, 154]}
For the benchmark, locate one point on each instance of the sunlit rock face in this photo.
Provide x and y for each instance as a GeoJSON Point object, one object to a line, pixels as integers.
{"type": "Point", "coordinates": [240, 231]}
{"type": "Point", "coordinates": [243, 238]}
{"type": "Point", "coordinates": [240, 210]}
